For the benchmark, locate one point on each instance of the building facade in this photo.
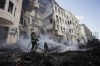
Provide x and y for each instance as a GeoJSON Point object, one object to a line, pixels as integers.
{"type": "Point", "coordinates": [60, 24]}
{"type": "Point", "coordinates": [30, 19]}
{"type": "Point", "coordinates": [63, 24]}
{"type": "Point", "coordinates": [10, 11]}
{"type": "Point", "coordinates": [73, 29]}
{"type": "Point", "coordinates": [86, 34]}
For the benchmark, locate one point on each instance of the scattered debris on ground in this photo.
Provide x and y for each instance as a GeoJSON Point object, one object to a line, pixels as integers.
{"type": "Point", "coordinates": [69, 58]}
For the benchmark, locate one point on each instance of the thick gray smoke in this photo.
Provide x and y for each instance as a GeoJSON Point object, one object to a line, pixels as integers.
{"type": "Point", "coordinates": [52, 43]}
{"type": "Point", "coordinates": [24, 44]}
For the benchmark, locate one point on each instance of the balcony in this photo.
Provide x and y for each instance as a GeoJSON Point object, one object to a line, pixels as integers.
{"type": "Point", "coordinates": [48, 27]}
{"type": "Point", "coordinates": [72, 34]}
{"type": "Point", "coordinates": [60, 33]}
{"type": "Point", "coordinates": [5, 22]}
{"type": "Point", "coordinates": [6, 18]}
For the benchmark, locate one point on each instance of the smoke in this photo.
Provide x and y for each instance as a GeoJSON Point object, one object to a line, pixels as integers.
{"type": "Point", "coordinates": [25, 44]}
{"type": "Point", "coordinates": [52, 43]}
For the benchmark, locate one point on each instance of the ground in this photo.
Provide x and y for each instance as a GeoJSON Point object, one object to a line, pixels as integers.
{"type": "Point", "coordinates": [70, 58]}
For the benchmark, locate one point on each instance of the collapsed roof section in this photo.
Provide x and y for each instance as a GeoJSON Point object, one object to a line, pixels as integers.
{"type": "Point", "coordinates": [29, 5]}
{"type": "Point", "coordinates": [46, 8]}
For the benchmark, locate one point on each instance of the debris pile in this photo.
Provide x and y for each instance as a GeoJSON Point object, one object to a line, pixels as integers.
{"type": "Point", "coordinates": [69, 58]}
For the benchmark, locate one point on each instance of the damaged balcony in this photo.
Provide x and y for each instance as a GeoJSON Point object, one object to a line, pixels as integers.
{"type": "Point", "coordinates": [6, 18]}
{"type": "Point", "coordinates": [31, 5]}
{"type": "Point", "coordinates": [5, 21]}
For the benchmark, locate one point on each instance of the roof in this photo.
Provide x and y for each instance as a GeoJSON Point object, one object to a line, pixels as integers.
{"type": "Point", "coordinates": [85, 27]}
{"type": "Point", "coordinates": [58, 5]}
{"type": "Point", "coordinates": [72, 15]}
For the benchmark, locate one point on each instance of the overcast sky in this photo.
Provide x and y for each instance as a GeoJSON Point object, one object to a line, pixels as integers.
{"type": "Point", "coordinates": [87, 11]}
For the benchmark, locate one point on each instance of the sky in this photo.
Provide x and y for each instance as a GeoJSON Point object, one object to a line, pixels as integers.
{"type": "Point", "coordinates": [87, 11]}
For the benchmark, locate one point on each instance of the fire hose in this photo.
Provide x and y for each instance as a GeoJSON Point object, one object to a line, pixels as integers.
{"type": "Point", "coordinates": [28, 46]}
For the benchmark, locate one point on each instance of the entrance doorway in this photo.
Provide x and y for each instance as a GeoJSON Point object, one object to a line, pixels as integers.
{"type": "Point", "coordinates": [3, 34]}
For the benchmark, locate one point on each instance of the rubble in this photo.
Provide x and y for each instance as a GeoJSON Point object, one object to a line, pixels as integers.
{"type": "Point", "coordinates": [69, 58]}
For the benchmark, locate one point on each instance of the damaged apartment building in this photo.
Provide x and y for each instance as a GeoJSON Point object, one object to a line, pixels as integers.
{"type": "Point", "coordinates": [38, 15]}
{"type": "Point", "coordinates": [30, 18]}
{"type": "Point", "coordinates": [86, 34]}
{"type": "Point", "coordinates": [10, 11]}
{"type": "Point", "coordinates": [62, 24]}
{"type": "Point", "coordinates": [59, 23]}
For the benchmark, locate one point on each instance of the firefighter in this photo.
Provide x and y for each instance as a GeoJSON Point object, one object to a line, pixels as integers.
{"type": "Point", "coordinates": [34, 40]}
{"type": "Point", "coordinates": [46, 49]}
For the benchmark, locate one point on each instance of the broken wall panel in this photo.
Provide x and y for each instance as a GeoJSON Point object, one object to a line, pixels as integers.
{"type": "Point", "coordinates": [46, 8]}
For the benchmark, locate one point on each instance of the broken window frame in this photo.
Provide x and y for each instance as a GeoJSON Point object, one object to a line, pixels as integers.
{"type": "Point", "coordinates": [10, 7]}
{"type": "Point", "coordinates": [15, 12]}
{"type": "Point", "coordinates": [2, 3]}
{"type": "Point", "coordinates": [50, 20]}
{"type": "Point", "coordinates": [58, 27]}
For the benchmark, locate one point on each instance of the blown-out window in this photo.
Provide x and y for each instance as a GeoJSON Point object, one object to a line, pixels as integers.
{"type": "Point", "coordinates": [10, 8]}
{"type": "Point", "coordinates": [57, 18]}
{"type": "Point", "coordinates": [55, 8]}
{"type": "Point", "coordinates": [58, 27]}
{"type": "Point", "coordinates": [15, 12]}
{"type": "Point", "coordinates": [70, 30]}
{"type": "Point", "coordinates": [50, 20]}
{"type": "Point", "coordinates": [2, 4]}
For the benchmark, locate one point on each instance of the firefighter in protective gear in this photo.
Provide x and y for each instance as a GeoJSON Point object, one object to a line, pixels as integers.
{"type": "Point", "coordinates": [34, 40]}
{"type": "Point", "coordinates": [46, 49]}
